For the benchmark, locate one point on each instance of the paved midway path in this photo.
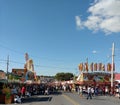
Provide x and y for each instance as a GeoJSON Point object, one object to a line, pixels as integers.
{"type": "Point", "coordinates": [69, 99]}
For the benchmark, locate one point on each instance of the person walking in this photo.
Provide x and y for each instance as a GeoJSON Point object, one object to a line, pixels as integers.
{"type": "Point", "coordinates": [119, 92]}
{"type": "Point", "coordinates": [81, 91]}
{"type": "Point", "coordinates": [92, 92]}
{"type": "Point", "coordinates": [89, 93]}
{"type": "Point", "coordinates": [23, 90]}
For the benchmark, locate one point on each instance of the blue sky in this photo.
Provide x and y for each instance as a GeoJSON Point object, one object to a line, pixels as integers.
{"type": "Point", "coordinates": [59, 34]}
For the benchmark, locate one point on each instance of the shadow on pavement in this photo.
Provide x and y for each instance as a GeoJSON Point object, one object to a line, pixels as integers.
{"type": "Point", "coordinates": [40, 98]}
{"type": "Point", "coordinates": [37, 99]}
{"type": "Point", "coordinates": [56, 93]}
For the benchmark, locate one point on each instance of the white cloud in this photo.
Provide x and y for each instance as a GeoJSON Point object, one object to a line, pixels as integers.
{"type": "Point", "coordinates": [78, 22]}
{"type": "Point", "coordinates": [104, 15]}
{"type": "Point", "coordinates": [94, 51]}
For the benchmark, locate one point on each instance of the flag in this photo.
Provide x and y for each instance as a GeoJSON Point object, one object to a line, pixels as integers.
{"type": "Point", "coordinates": [91, 66]}
{"type": "Point", "coordinates": [86, 66]}
{"type": "Point", "coordinates": [103, 67]}
{"type": "Point", "coordinates": [109, 67]}
{"type": "Point", "coordinates": [81, 66]}
{"type": "Point", "coordinates": [95, 67]}
{"type": "Point", "coordinates": [100, 66]}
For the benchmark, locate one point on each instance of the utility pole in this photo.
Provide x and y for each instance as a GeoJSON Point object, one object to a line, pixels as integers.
{"type": "Point", "coordinates": [87, 69]}
{"type": "Point", "coordinates": [112, 70]}
{"type": "Point", "coordinates": [7, 66]}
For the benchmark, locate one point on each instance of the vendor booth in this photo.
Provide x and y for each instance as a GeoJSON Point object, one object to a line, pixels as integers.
{"type": "Point", "coordinates": [94, 78]}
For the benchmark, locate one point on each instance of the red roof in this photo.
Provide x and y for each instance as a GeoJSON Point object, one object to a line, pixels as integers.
{"type": "Point", "coordinates": [117, 76]}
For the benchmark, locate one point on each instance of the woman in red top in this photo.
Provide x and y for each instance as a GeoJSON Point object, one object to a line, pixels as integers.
{"type": "Point", "coordinates": [23, 91]}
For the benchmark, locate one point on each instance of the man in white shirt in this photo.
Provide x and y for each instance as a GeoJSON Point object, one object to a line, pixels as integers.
{"type": "Point", "coordinates": [89, 93]}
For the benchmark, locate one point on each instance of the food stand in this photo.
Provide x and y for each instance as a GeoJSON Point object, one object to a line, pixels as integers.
{"type": "Point", "coordinates": [95, 74]}
{"type": "Point", "coordinates": [94, 78]}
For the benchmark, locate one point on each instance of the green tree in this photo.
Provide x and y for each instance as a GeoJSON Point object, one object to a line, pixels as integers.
{"type": "Point", "coordinates": [63, 76]}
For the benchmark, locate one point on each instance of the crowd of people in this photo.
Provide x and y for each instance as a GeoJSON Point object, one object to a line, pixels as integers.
{"type": "Point", "coordinates": [21, 91]}
{"type": "Point", "coordinates": [91, 91]}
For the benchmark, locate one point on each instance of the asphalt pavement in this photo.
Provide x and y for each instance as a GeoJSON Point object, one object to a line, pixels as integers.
{"type": "Point", "coordinates": [68, 98]}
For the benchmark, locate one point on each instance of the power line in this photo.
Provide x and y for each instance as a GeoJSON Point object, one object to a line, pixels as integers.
{"type": "Point", "coordinates": [11, 61]}
{"type": "Point", "coordinates": [10, 49]}
{"type": "Point", "coordinates": [56, 60]}
{"type": "Point", "coordinates": [21, 53]}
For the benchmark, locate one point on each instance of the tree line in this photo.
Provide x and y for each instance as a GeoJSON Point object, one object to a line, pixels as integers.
{"type": "Point", "coordinates": [64, 76]}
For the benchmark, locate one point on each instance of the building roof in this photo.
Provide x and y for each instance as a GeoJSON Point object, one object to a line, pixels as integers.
{"type": "Point", "coordinates": [117, 76]}
{"type": "Point", "coordinates": [1, 71]}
